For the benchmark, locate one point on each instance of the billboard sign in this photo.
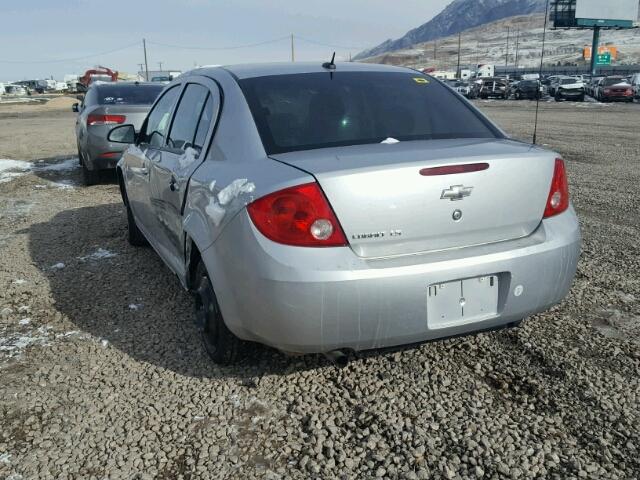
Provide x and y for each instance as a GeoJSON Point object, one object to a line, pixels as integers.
{"type": "Point", "coordinates": [612, 13]}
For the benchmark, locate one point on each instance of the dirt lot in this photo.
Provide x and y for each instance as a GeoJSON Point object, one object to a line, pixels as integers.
{"type": "Point", "coordinates": [103, 374]}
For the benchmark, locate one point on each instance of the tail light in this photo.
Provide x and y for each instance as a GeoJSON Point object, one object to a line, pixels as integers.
{"type": "Point", "coordinates": [93, 119]}
{"type": "Point", "coordinates": [558, 200]}
{"type": "Point", "coordinates": [299, 216]}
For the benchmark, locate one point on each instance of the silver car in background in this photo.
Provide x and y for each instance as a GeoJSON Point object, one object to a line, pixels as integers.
{"type": "Point", "coordinates": [103, 106]}
{"type": "Point", "coordinates": [322, 208]}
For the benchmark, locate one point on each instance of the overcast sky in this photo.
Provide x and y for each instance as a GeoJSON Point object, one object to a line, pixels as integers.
{"type": "Point", "coordinates": [37, 31]}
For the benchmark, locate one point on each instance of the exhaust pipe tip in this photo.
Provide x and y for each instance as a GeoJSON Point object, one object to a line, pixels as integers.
{"type": "Point", "coordinates": [337, 357]}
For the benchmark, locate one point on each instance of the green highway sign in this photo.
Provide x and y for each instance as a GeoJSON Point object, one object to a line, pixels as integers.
{"type": "Point", "coordinates": [603, 58]}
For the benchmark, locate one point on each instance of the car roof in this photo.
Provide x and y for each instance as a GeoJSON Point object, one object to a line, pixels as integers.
{"type": "Point", "coordinates": [107, 85]}
{"type": "Point", "coordinates": [289, 68]}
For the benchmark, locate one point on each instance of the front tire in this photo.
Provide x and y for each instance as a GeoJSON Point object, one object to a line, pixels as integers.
{"type": "Point", "coordinates": [222, 346]}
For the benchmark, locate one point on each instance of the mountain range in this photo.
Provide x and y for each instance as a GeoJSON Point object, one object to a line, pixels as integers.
{"type": "Point", "coordinates": [459, 16]}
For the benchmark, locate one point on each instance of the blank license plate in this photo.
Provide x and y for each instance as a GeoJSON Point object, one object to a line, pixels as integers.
{"type": "Point", "coordinates": [462, 301]}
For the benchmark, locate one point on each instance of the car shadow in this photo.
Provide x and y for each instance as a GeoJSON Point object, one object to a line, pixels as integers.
{"type": "Point", "coordinates": [66, 170]}
{"type": "Point", "coordinates": [128, 299]}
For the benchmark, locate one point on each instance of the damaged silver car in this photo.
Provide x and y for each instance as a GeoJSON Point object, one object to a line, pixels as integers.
{"type": "Point", "coordinates": [331, 207]}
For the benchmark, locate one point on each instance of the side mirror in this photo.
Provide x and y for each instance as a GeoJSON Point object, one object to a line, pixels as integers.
{"type": "Point", "coordinates": [122, 134]}
{"type": "Point", "coordinates": [75, 107]}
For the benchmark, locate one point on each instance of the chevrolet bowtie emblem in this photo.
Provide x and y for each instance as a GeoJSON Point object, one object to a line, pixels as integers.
{"type": "Point", "coordinates": [456, 192]}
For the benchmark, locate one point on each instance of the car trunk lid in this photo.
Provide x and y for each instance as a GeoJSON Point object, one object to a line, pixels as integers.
{"type": "Point", "coordinates": [135, 114]}
{"type": "Point", "coordinates": [387, 207]}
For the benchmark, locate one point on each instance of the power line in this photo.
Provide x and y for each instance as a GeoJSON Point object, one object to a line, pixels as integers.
{"type": "Point", "coordinates": [231, 47]}
{"type": "Point", "coordinates": [322, 44]}
{"type": "Point", "coordinates": [62, 60]}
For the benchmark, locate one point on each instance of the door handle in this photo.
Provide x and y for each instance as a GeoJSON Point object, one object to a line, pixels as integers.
{"type": "Point", "coordinates": [173, 186]}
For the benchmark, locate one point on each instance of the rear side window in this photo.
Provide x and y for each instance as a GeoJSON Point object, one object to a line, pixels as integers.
{"type": "Point", "coordinates": [128, 94]}
{"type": "Point", "coordinates": [319, 110]}
{"type": "Point", "coordinates": [157, 124]}
{"type": "Point", "coordinates": [187, 116]}
{"type": "Point", "coordinates": [203, 125]}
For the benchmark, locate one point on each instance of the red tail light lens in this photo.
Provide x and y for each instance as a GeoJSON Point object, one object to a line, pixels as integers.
{"type": "Point", "coordinates": [105, 119]}
{"type": "Point", "coordinates": [299, 216]}
{"type": "Point", "coordinates": [558, 200]}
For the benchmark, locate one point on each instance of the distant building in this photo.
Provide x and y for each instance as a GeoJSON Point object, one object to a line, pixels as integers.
{"type": "Point", "coordinates": [160, 75]}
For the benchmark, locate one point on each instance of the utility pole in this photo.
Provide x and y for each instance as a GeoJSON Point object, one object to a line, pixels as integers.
{"type": "Point", "coordinates": [517, 47]}
{"type": "Point", "coordinates": [160, 65]}
{"type": "Point", "coordinates": [435, 50]}
{"type": "Point", "coordinates": [458, 68]}
{"type": "Point", "coordinates": [506, 57]}
{"type": "Point", "coordinates": [146, 64]}
{"type": "Point", "coordinates": [293, 50]}
{"type": "Point", "coordinates": [595, 47]}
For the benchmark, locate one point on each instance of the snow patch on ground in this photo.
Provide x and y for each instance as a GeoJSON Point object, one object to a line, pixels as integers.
{"type": "Point", "coordinates": [25, 321]}
{"type": "Point", "coordinates": [11, 169]}
{"type": "Point", "coordinates": [390, 141]}
{"type": "Point", "coordinates": [135, 306]}
{"type": "Point", "coordinates": [99, 254]}
{"type": "Point", "coordinates": [19, 281]}
{"type": "Point", "coordinates": [14, 344]}
{"type": "Point", "coordinates": [58, 266]}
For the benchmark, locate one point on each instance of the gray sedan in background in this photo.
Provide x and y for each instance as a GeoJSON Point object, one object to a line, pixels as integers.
{"type": "Point", "coordinates": [105, 105]}
{"type": "Point", "coordinates": [324, 208]}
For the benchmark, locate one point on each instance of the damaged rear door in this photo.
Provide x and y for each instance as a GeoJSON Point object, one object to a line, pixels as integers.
{"type": "Point", "coordinates": [185, 150]}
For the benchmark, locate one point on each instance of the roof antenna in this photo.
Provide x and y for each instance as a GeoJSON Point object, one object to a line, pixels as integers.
{"type": "Point", "coordinates": [544, 37]}
{"type": "Point", "coordinates": [332, 64]}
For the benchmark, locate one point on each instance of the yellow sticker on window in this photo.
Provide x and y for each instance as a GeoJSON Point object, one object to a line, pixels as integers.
{"type": "Point", "coordinates": [420, 80]}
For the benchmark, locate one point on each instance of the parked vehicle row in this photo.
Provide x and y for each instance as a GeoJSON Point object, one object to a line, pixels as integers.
{"type": "Point", "coordinates": [263, 207]}
{"type": "Point", "coordinates": [558, 87]}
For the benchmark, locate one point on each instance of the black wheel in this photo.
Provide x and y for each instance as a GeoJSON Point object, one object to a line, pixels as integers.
{"type": "Point", "coordinates": [518, 97]}
{"type": "Point", "coordinates": [134, 235]}
{"type": "Point", "coordinates": [557, 97]}
{"type": "Point", "coordinates": [222, 346]}
{"type": "Point", "coordinates": [89, 177]}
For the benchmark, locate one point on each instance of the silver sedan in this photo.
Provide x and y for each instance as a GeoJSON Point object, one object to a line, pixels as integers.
{"type": "Point", "coordinates": [323, 208]}
{"type": "Point", "coordinates": [103, 106]}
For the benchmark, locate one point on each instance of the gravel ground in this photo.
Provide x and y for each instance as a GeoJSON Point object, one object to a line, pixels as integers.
{"type": "Point", "coordinates": [103, 375]}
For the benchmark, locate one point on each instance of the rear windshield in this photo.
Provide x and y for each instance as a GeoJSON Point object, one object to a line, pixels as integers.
{"type": "Point", "coordinates": [129, 94]}
{"type": "Point", "coordinates": [320, 110]}
{"type": "Point", "coordinates": [613, 81]}
{"type": "Point", "coordinates": [529, 83]}
{"type": "Point", "coordinates": [568, 81]}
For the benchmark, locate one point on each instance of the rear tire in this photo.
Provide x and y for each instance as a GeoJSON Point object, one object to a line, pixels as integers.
{"type": "Point", "coordinates": [89, 177]}
{"type": "Point", "coordinates": [135, 237]}
{"type": "Point", "coordinates": [222, 346]}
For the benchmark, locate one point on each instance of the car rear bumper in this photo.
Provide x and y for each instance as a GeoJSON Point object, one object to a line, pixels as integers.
{"type": "Point", "coordinates": [317, 300]}
{"type": "Point", "coordinates": [617, 97]}
{"type": "Point", "coordinates": [101, 154]}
